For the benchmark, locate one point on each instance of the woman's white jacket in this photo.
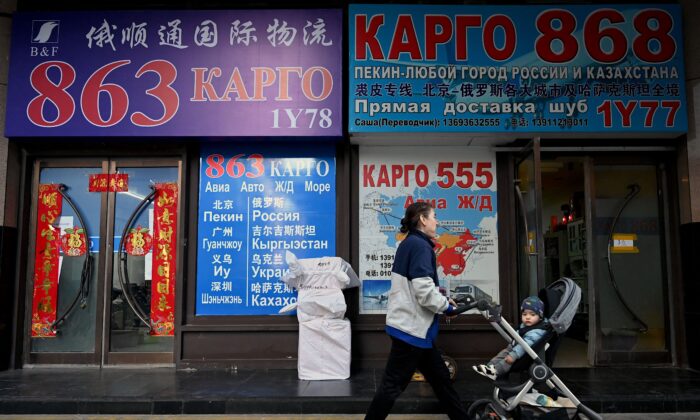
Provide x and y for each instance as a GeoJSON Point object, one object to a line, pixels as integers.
{"type": "Point", "coordinates": [414, 302]}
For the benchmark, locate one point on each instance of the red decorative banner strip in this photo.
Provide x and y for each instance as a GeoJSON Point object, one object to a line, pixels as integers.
{"type": "Point", "coordinates": [164, 257]}
{"type": "Point", "coordinates": [118, 182]}
{"type": "Point", "coordinates": [48, 241]}
{"type": "Point", "coordinates": [108, 183]}
{"type": "Point", "coordinates": [98, 182]}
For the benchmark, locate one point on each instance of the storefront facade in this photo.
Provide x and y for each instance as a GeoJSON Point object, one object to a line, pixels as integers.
{"type": "Point", "coordinates": [162, 164]}
{"type": "Point", "coordinates": [535, 74]}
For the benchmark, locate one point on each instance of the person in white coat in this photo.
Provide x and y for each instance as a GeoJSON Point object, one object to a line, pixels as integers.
{"type": "Point", "coordinates": [415, 303]}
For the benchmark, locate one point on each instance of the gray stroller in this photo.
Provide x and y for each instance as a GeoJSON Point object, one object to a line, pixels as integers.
{"type": "Point", "coordinates": [543, 395]}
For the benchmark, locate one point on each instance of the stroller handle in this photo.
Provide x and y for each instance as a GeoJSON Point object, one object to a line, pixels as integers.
{"type": "Point", "coordinates": [482, 305]}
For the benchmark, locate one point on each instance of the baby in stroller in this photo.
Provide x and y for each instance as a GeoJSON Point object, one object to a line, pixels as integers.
{"type": "Point", "coordinates": [532, 329]}
{"type": "Point", "coordinates": [550, 315]}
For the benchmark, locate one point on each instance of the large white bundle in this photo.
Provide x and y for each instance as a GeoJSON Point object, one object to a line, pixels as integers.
{"type": "Point", "coordinates": [319, 273]}
{"type": "Point", "coordinates": [320, 303]}
{"type": "Point", "coordinates": [324, 349]}
{"type": "Point", "coordinates": [324, 336]}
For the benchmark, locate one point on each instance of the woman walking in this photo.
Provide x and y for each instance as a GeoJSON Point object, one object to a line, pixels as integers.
{"type": "Point", "coordinates": [414, 306]}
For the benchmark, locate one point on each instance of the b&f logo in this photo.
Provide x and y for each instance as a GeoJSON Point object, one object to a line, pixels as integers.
{"type": "Point", "coordinates": [45, 32]}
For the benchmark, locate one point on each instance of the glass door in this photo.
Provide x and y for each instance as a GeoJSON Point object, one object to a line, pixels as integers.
{"type": "Point", "coordinates": [140, 302]}
{"type": "Point", "coordinates": [598, 220]}
{"type": "Point", "coordinates": [66, 231]}
{"type": "Point", "coordinates": [630, 280]}
{"type": "Point", "coordinates": [528, 199]}
{"type": "Point", "coordinates": [97, 301]}
{"type": "Point", "coordinates": [565, 223]}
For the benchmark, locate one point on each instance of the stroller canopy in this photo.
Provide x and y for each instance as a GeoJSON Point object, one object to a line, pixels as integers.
{"type": "Point", "coordinates": [561, 300]}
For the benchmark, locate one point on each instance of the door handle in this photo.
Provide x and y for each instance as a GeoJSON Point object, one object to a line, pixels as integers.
{"type": "Point", "coordinates": [634, 190]}
{"type": "Point", "coordinates": [86, 272]}
{"type": "Point", "coordinates": [122, 272]}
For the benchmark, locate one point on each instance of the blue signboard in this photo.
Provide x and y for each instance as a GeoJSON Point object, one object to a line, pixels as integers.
{"type": "Point", "coordinates": [516, 69]}
{"type": "Point", "coordinates": [176, 73]}
{"type": "Point", "coordinates": [256, 203]}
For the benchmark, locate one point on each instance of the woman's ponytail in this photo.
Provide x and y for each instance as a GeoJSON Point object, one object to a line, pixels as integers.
{"type": "Point", "coordinates": [413, 214]}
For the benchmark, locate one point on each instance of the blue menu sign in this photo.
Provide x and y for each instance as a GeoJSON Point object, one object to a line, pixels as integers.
{"type": "Point", "coordinates": [256, 203]}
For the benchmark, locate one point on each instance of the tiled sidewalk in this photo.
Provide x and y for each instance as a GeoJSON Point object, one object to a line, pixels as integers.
{"type": "Point", "coordinates": [167, 391]}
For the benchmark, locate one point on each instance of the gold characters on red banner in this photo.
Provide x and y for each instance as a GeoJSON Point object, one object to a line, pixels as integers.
{"type": "Point", "coordinates": [164, 260]}
{"type": "Point", "coordinates": [48, 242]}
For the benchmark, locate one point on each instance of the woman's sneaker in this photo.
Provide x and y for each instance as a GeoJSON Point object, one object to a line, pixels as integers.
{"type": "Point", "coordinates": [486, 370]}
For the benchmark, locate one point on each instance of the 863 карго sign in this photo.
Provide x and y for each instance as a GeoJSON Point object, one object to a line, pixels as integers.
{"type": "Point", "coordinates": [176, 73]}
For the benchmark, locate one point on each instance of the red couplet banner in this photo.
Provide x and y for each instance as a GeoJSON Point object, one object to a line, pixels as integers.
{"type": "Point", "coordinates": [48, 242]}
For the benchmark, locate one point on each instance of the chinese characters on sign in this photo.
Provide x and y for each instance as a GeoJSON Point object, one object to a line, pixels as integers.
{"type": "Point", "coordinates": [177, 73]}
{"type": "Point", "coordinates": [205, 34]}
{"type": "Point", "coordinates": [108, 183]}
{"type": "Point", "coordinates": [164, 259]}
{"type": "Point", "coordinates": [516, 69]}
{"type": "Point", "coordinates": [46, 266]}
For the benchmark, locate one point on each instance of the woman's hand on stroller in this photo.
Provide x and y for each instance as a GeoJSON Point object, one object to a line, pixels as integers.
{"type": "Point", "coordinates": [463, 299]}
{"type": "Point", "coordinates": [453, 304]}
{"type": "Point", "coordinates": [481, 305]}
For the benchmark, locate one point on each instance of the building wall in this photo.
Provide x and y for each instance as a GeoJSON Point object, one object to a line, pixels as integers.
{"type": "Point", "coordinates": [691, 9]}
{"type": "Point", "coordinates": [6, 9]}
{"type": "Point", "coordinates": [689, 182]}
{"type": "Point", "coordinates": [6, 279]}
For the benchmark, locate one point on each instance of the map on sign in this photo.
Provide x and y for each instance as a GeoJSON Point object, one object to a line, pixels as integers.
{"type": "Point", "coordinates": [466, 245]}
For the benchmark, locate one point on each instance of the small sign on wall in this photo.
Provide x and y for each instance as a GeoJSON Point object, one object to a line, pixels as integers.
{"type": "Point", "coordinates": [108, 183]}
{"type": "Point", "coordinates": [624, 243]}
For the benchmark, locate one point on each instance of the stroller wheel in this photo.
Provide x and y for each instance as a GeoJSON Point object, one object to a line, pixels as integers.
{"type": "Point", "coordinates": [482, 410]}
{"type": "Point", "coordinates": [451, 366]}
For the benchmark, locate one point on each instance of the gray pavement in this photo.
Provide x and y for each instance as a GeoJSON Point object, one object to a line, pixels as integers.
{"type": "Point", "coordinates": [161, 392]}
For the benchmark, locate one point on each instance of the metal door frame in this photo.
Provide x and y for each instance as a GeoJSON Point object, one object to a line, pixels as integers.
{"type": "Point", "coordinates": [101, 356]}
{"type": "Point", "coordinates": [663, 157]}
{"type": "Point", "coordinates": [596, 352]}
{"type": "Point", "coordinates": [532, 149]}
{"type": "Point", "coordinates": [28, 357]}
{"type": "Point", "coordinates": [116, 358]}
